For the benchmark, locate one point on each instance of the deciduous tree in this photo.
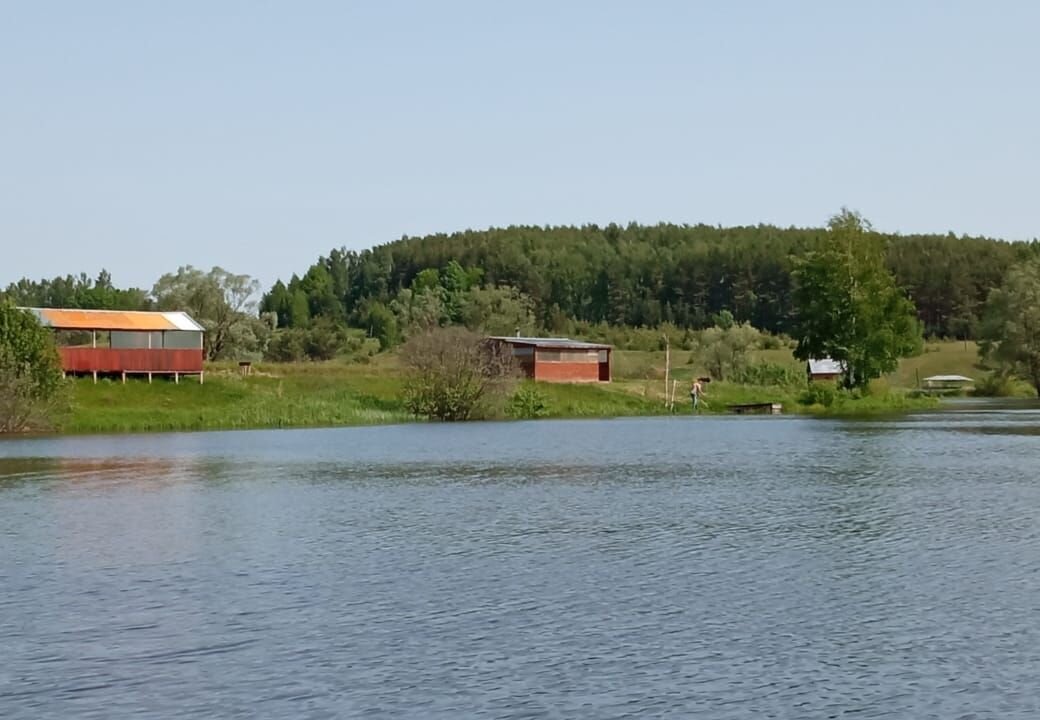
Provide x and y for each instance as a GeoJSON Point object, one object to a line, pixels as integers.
{"type": "Point", "coordinates": [1011, 326]}
{"type": "Point", "coordinates": [726, 350]}
{"type": "Point", "coordinates": [847, 304]}
{"type": "Point", "coordinates": [32, 391]}
{"type": "Point", "coordinates": [498, 311]}
{"type": "Point", "coordinates": [381, 323]}
{"type": "Point", "coordinates": [222, 302]}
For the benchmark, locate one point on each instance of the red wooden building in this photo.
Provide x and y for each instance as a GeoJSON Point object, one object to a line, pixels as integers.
{"type": "Point", "coordinates": [560, 359]}
{"type": "Point", "coordinates": [117, 342]}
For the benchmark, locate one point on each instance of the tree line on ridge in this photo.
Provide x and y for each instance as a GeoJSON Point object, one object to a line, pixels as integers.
{"type": "Point", "coordinates": [564, 279]}
{"type": "Point", "coordinates": [641, 276]}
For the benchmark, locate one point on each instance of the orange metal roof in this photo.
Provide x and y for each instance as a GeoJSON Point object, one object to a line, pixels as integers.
{"type": "Point", "coordinates": [104, 319]}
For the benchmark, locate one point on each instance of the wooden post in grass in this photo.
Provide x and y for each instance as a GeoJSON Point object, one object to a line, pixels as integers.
{"type": "Point", "coordinates": [667, 366]}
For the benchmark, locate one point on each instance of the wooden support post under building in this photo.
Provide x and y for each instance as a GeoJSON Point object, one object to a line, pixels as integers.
{"type": "Point", "coordinates": [124, 377]}
{"type": "Point", "coordinates": [176, 378]}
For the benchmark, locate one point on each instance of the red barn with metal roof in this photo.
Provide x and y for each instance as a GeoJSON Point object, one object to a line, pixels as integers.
{"type": "Point", "coordinates": [119, 342]}
{"type": "Point", "coordinates": [560, 359]}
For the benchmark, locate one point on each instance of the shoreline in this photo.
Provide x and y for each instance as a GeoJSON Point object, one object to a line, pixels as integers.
{"type": "Point", "coordinates": [315, 396]}
{"type": "Point", "coordinates": [852, 414]}
{"type": "Point", "coordinates": [368, 390]}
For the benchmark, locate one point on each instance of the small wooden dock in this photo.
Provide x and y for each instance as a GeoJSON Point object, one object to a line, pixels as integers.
{"type": "Point", "coordinates": [769, 408]}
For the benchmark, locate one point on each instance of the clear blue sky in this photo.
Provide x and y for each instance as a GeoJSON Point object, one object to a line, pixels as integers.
{"type": "Point", "coordinates": [143, 135]}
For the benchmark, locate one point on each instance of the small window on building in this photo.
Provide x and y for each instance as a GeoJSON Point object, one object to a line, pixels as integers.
{"type": "Point", "coordinates": [182, 340]}
{"type": "Point", "coordinates": [130, 339]}
{"type": "Point", "coordinates": [73, 338]}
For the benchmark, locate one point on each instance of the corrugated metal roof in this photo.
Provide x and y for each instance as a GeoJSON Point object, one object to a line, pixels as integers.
{"type": "Point", "coordinates": [948, 378]}
{"type": "Point", "coordinates": [67, 319]}
{"type": "Point", "coordinates": [183, 321]}
{"type": "Point", "coordinates": [825, 366]}
{"type": "Point", "coordinates": [553, 342]}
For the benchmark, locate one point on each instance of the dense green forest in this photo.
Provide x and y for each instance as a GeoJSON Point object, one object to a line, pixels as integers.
{"type": "Point", "coordinates": [561, 279]}
{"type": "Point", "coordinates": [77, 291]}
{"type": "Point", "coordinates": [639, 275]}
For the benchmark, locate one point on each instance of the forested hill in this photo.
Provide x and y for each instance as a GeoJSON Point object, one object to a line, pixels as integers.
{"type": "Point", "coordinates": [641, 275]}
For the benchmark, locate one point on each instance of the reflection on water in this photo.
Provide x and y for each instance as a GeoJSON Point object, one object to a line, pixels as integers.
{"type": "Point", "coordinates": [723, 568]}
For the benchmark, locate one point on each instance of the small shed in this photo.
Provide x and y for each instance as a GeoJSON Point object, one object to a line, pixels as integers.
{"type": "Point", "coordinates": [560, 359]}
{"type": "Point", "coordinates": [824, 369]}
{"type": "Point", "coordinates": [948, 382]}
{"type": "Point", "coordinates": [118, 342]}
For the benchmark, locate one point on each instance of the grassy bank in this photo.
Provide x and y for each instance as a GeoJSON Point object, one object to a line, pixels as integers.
{"type": "Point", "coordinates": [335, 393]}
{"type": "Point", "coordinates": [719, 396]}
{"type": "Point", "coordinates": [642, 373]}
{"type": "Point", "coordinates": [301, 395]}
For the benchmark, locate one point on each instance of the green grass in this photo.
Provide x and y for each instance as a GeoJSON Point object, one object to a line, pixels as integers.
{"type": "Point", "coordinates": [719, 396]}
{"type": "Point", "coordinates": [337, 393]}
{"type": "Point", "coordinates": [941, 358]}
{"type": "Point", "coordinates": [593, 400]}
{"type": "Point", "coordinates": [298, 395]}
{"type": "Point", "coordinates": [642, 374]}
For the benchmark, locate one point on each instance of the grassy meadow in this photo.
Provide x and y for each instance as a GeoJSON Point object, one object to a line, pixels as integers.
{"type": "Point", "coordinates": [274, 395]}
{"type": "Point", "coordinates": [313, 394]}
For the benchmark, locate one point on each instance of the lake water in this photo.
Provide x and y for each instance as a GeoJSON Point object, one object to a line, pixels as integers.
{"type": "Point", "coordinates": [674, 567]}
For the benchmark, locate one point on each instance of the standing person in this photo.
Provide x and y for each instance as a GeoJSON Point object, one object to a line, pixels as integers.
{"type": "Point", "coordinates": [696, 390]}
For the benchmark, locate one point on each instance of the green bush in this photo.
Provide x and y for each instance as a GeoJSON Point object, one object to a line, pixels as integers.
{"type": "Point", "coordinates": [819, 394]}
{"type": "Point", "coordinates": [453, 374]}
{"type": "Point", "coordinates": [528, 402]}
{"type": "Point", "coordinates": [33, 393]}
{"type": "Point", "coordinates": [381, 324]}
{"type": "Point", "coordinates": [288, 345]}
{"type": "Point", "coordinates": [724, 352]}
{"type": "Point", "coordinates": [624, 337]}
{"type": "Point", "coordinates": [324, 340]}
{"type": "Point", "coordinates": [771, 342]}
{"type": "Point", "coordinates": [767, 373]}
{"type": "Point", "coordinates": [995, 385]}
{"type": "Point", "coordinates": [723, 320]}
